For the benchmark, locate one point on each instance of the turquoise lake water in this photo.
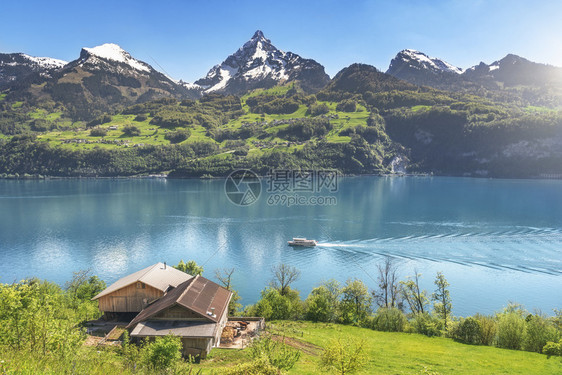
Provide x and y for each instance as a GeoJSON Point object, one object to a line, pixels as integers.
{"type": "Point", "coordinates": [495, 240]}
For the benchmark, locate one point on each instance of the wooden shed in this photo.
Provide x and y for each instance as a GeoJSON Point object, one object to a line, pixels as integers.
{"type": "Point", "coordinates": [134, 292]}
{"type": "Point", "coordinates": [196, 310]}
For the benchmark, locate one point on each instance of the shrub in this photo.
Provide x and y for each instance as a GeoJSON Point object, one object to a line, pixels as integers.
{"type": "Point", "coordinates": [389, 320]}
{"type": "Point", "coordinates": [468, 331]}
{"type": "Point", "coordinates": [141, 117]}
{"type": "Point", "coordinates": [304, 129]}
{"type": "Point", "coordinates": [511, 330]}
{"type": "Point", "coordinates": [99, 120]}
{"type": "Point", "coordinates": [131, 130]}
{"type": "Point", "coordinates": [552, 348]}
{"type": "Point", "coordinates": [163, 352]}
{"type": "Point", "coordinates": [488, 328]}
{"type": "Point", "coordinates": [187, 103]}
{"type": "Point", "coordinates": [241, 151]}
{"type": "Point", "coordinates": [344, 356]}
{"type": "Point", "coordinates": [538, 332]}
{"type": "Point", "coordinates": [275, 353]}
{"type": "Point", "coordinates": [258, 366]}
{"type": "Point", "coordinates": [275, 106]}
{"type": "Point", "coordinates": [426, 325]}
{"type": "Point", "coordinates": [318, 109]}
{"type": "Point", "coordinates": [346, 106]}
{"type": "Point", "coordinates": [98, 132]}
{"type": "Point", "coordinates": [171, 119]}
{"type": "Point", "coordinates": [178, 135]}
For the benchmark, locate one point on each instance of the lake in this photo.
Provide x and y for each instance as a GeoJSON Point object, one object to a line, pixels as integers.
{"type": "Point", "coordinates": [495, 240]}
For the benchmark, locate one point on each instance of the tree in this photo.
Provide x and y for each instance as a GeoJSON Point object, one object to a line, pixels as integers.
{"type": "Point", "coordinates": [178, 135]}
{"type": "Point", "coordinates": [224, 276]}
{"type": "Point", "coordinates": [283, 276]}
{"type": "Point", "coordinates": [389, 320]}
{"type": "Point", "coordinates": [131, 130]}
{"type": "Point", "coordinates": [344, 356]}
{"type": "Point", "coordinates": [443, 304]}
{"type": "Point", "coordinates": [84, 286]}
{"type": "Point", "coordinates": [323, 302]}
{"type": "Point", "coordinates": [538, 331]}
{"type": "Point", "coordinates": [272, 305]}
{"type": "Point", "coordinates": [98, 132]}
{"type": "Point", "coordinates": [511, 328]}
{"type": "Point", "coordinates": [415, 297]}
{"type": "Point", "coordinates": [388, 294]}
{"type": "Point", "coordinates": [191, 267]}
{"type": "Point", "coordinates": [356, 302]}
{"type": "Point", "coordinates": [468, 331]}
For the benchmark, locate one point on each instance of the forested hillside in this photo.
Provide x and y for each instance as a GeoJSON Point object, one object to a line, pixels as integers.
{"type": "Point", "coordinates": [363, 122]}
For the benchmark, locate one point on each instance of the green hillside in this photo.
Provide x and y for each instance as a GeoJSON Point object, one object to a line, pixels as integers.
{"type": "Point", "coordinates": [398, 353]}
{"type": "Point", "coordinates": [362, 122]}
{"type": "Point", "coordinates": [386, 353]}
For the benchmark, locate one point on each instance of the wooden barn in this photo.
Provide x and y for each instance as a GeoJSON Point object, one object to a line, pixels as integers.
{"type": "Point", "coordinates": [134, 292]}
{"type": "Point", "coordinates": [196, 310]}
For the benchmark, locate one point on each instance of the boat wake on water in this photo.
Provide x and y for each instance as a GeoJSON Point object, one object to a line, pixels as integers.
{"type": "Point", "coordinates": [540, 254]}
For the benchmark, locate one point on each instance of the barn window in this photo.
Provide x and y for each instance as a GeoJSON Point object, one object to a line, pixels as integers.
{"type": "Point", "coordinates": [140, 285]}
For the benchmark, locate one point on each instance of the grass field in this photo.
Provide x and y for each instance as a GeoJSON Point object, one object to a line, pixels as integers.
{"type": "Point", "coordinates": [400, 353]}
{"type": "Point", "coordinates": [387, 353]}
{"type": "Point", "coordinates": [77, 137]}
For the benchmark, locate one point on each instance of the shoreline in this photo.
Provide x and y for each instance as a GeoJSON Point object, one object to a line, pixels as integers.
{"type": "Point", "coordinates": [209, 177]}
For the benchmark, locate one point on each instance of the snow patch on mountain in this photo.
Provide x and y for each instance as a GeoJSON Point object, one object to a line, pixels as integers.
{"type": "Point", "coordinates": [46, 62]}
{"type": "Point", "coordinates": [111, 51]}
{"type": "Point", "coordinates": [224, 73]}
{"type": "Point", "coordinates": [258, 61]}
{"type": "Point", "coordinates": [428, 62]}
{"type": "Point", "coordinates": [187, 85]}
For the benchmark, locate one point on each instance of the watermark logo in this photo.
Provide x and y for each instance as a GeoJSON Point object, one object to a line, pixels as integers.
{"type": "Point", "coordinates": [289, 188]}
{"type": "Point", "coordinates": [285, 187]}
{"type": "Point", "coordinates": [243, 187]}
{"type": "Point", "coordinates": [302, 181]}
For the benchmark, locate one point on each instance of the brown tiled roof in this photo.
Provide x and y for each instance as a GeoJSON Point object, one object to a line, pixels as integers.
{"type": "Point", "coordinates": [198, 294]}
{"type": "Point", "coordinates": [158, 276]}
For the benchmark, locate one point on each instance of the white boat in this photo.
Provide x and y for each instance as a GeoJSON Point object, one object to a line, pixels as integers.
{"type": "Point", "coordinates": [302, 242]}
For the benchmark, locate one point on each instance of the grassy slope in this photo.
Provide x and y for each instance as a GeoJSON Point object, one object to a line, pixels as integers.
{"type": "Point", "coordinates": [153, 135]}
{"type": "Point", "coordinates": [403, 353]}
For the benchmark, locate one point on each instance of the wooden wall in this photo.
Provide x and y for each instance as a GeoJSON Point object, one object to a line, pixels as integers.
{"type": "Point", "coordinates": [200, 346]}
{"type": "Point", "coordinates": [221, 324]}
{"type": "Point", "coordinates": [129, 299]}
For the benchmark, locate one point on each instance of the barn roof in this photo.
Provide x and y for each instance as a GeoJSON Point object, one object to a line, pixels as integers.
{"type": "Point", "coordinates": [158, 276]}
{"type": "Point", "coordinates": [180, 328]}
{"type": "Point", "coordinates": [198, 294]}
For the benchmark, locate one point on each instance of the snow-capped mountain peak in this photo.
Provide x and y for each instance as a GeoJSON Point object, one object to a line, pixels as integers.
{"type": "Point", "coordinates": [113, 52]}
{"type": "Point", "coordinates": [15, 66]}
{"type": "Point", "coordinates": [46, 62]}
{"type": "Point", "coordinates": [258, 63]}
{"type": "Point", "coordinates": [420, 60]}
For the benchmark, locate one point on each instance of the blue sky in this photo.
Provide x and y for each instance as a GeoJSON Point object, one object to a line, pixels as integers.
{"type": "Point", "coordinates": [186, 38]}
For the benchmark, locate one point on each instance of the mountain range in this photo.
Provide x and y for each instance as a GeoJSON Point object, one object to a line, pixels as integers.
{"type": "Point", "coordinates": [107, 77]}
{"type": "Point", "coordinates": [512, 70]}
{"type": "Point", "coordinates": [108, 113]}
